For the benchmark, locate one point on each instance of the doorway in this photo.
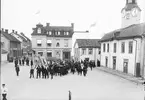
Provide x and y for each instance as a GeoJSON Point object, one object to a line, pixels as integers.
{"type": "Point", "coordinates": [114, 62]}
{"type": "Point", "coordinates": [66, 55]}
{"type": "Point", "coordinates": [125, 66]}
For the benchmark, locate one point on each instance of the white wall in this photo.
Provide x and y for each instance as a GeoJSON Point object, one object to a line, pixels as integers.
{"type": "Point", "coordinates": [121, 56]}
{"type": "Point", "coordinates": [3, 57]}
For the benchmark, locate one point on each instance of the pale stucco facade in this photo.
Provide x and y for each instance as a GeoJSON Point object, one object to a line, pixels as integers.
{"type": "Point", "coordinates": [79, 56]}
{"type": "Point", "coordinates": [53, 49]}
{"type": "Point", "coordinates": [132, 58]}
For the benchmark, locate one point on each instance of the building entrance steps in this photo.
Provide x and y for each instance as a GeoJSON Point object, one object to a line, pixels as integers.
{"type": "Point", "coordinates": [129, 77]}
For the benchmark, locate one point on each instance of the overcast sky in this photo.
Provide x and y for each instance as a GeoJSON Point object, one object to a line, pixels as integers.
{"type": "Point", "coordinates": [23, 15]}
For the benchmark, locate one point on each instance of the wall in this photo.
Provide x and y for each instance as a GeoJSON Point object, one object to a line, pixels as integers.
{"type": "Point", "coordinates": [44, 48]}
{"type": "Point", "coordinates": [121, 56]}
{"type": "Point", "coordinates": [6, 43]}
{"type": "Point", "coordinates": [3, 57]}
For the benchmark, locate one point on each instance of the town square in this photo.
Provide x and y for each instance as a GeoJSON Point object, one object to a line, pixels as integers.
{"type": "Point", "coordinates": [72, 50]}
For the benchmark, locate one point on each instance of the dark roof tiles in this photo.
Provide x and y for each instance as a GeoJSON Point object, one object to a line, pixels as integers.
{"type": "Point", "coordinates": [10, 37]}
{"type": "Point", "coordinates": [135, 30]}
{"type": "Point", "coordinates": [88, 43]}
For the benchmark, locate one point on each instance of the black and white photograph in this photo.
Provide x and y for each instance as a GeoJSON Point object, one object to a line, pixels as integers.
{"type": "Point", "coordinates": [72, 50]}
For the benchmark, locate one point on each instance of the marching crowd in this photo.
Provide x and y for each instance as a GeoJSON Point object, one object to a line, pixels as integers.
{"type": "Point", "coordinates": [49, 69]}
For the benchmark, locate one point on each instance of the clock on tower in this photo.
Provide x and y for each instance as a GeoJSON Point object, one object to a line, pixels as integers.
{"type": "Point", "coordinates": [130, 13]}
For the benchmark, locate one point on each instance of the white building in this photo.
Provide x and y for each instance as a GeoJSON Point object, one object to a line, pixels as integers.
{"type": "Point", "coordinates": [124, 49]}
{"type": "Point", "coordinates": [87, 49]}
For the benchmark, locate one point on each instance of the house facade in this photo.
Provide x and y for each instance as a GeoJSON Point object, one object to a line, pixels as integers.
{"type": "Point", "coordinates": [124, 49]}
{"type": "Point", "coordinates": [52, 41]}
{"type": "Point", "coordinates": [25, 42]}
{"type": "Point", "coordinates": [88, 49]}
{"type": "Point", "coordinates": [10, 44]}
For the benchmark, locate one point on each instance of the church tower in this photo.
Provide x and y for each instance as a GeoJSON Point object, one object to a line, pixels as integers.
{"type": "Point", "coordinates": [131, 13]}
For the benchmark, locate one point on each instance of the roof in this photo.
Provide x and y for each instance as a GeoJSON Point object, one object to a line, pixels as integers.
{"type": "Point", "coordinates": [10, 37]}
{"type": "Point", "coordinates": [61, 29]}
{"type": "Point", "coordinates": [23, 35]}
{"type": "Point", "coordinates": [136, 30]}
{"type": "Point", "coordinates": [131, 6]}
{"type": "Point", "coordinates": [88, 43]}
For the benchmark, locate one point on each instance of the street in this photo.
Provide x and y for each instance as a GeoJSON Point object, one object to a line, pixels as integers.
{"type": "Point", "coordinates": [97, 85]}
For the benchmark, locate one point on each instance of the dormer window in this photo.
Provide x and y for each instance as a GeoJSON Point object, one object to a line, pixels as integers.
{"type": "Point", "coordinates": [49, 32]}
{"type": "Point", "coordinates": [58, 33]}
{"type": "Point", "coordinates": [66, 33]}
{"type": "Point", "coordinates": [57, 44]}
{"type": "Point", "coordinates": [39, 30]}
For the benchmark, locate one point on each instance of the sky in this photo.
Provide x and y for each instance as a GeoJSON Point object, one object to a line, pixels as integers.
{"type": "Point", "coordinates": [23, 15]}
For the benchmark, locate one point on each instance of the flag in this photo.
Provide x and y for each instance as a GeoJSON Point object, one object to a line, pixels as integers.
{"type": "Point", "coordinates": [38, 12]}
{"type": "Point", "coordinates": [93, 25]}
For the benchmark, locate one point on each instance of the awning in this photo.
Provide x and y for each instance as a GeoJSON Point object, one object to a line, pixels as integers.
{"type": "Point", "coordinates": [49, 41]}
{"type": "Point", "coordinates": [39, 41]}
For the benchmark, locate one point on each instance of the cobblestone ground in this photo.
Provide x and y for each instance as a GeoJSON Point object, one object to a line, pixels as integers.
{"type": "Point", "coordinates": [97, 85]}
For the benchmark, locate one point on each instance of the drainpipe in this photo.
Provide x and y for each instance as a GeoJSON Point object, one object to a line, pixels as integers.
{"type": "Point", "coordinates": [143, 56]}
{"type": "Point", "coordinates": [135, 56]}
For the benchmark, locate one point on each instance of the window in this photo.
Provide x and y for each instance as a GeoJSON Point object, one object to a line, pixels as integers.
{"type": "Point", "coordinates": [2, 44]}
{"type": "Point", "coordinates": [57, 44]}
{"type": "Point", "coordinates": [39, 42]}
{"type": "Point", "coordinates": [39, 30]}
{"type": "Point", "coordinates": [49, 32]}
{"type": "Point", "coordinates": [123, 47]}
{"type": "Point", "coordinates": [115, 45]}
{"type": "Point", "coordinates": [99, 52]}
{"type": "Point", "coordinates": [108, 47]}
{"type": "Point", "coordinates": [90, 52]}
{"type": "Point", "coordinates": [130, 47]}
{"type": "Point", "coordinates": [58, 33]}
{"type": "Point", "coordinates": [83, 51]}
{"type": "Point", "coordinates": [49, 43]}
{"type": "Point", "coordinates": [40, 53]}
{"type": "Point", "coordinates": [66, 33]}
{"type": "Point", "coordinates": [104, 47]}
{"type": "Point", "coordinates": [49, 54]}
{"type": "Point", "coordinates": [66, 43]}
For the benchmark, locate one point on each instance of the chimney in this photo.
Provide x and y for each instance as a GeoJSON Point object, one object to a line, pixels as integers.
{"type": "Point", "coordinates": [72, 25]}
{"type": "Point", "coordinates": [2, 29]}
{"type": "Point", "coordinates": [16, 32]}
{"type": "Point", "coordinates": [6, 30]}
{"type": "Point", "coordinates": [13, 31]}
{"type": "Point", "coordinates": [47, 24]}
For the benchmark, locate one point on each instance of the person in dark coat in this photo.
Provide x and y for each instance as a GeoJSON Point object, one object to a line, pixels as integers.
{"type": "Point", "coordinates": [16, 62]}
{"type": "Point", "coordinates": [17, 70]}
{"type": "Point", "coordinates": [31, 62]}
{"type": "Point", "coordinates": [23, 61]}
{"type": "Point", "coordinates": [20, 62]}
{"type": "Point", "coordinates": [32, 72]}
{"type": "Point", "coordinates": [38, 71]}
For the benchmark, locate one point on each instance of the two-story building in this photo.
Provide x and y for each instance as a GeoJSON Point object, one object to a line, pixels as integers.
{"type": "Point", "coordinates": [10, 44]}
{"type": "Point", "coordinates": [87, 49]}
{"type": "Point", "coordinates": [124, 49]}
{"type": "Point", "coordinates": [25, 42]}
{"type": "Point", "coordinates": [53, 41]}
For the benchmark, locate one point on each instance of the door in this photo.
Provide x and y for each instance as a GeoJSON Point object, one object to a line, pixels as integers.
{"type": "Point", "coordinates": [125, 66]}
{"type": "Point", "coordinates": [66, 55]}
{"type": "Point", "coordinates": [138, 74]}
{"type": "Point", "coordinates": [114, 62]}
{"type": "Point", "coordinates": [106, 61]}
{"type": "Point", "coordinates": [49, 54]}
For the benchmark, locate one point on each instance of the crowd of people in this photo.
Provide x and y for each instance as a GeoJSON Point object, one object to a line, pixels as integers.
{"type": "Point", "coordinates": [49, 69]}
